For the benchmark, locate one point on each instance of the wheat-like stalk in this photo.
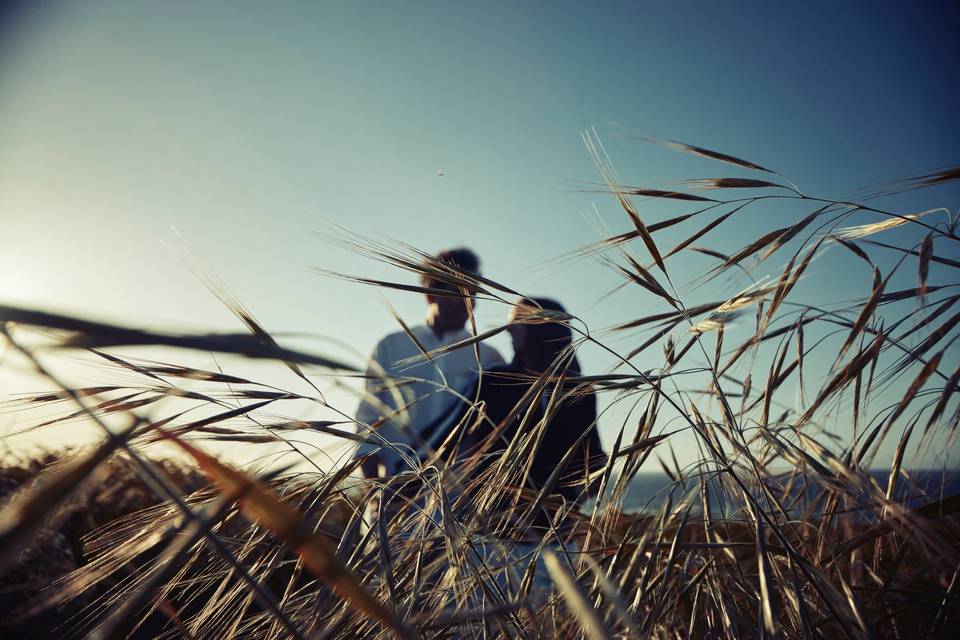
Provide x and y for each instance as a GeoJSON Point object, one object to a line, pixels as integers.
{"type": "Point", "coordinates": [777, 529]}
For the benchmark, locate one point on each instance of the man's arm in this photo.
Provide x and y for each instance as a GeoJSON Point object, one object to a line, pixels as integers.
{"type": "Point", "coordinates": [369, 411]}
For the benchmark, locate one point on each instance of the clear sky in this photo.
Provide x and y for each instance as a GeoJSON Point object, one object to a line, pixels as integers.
{"type": "Point", "coordinates": [248, 125]}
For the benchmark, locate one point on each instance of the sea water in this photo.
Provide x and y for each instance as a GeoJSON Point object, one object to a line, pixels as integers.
{"type": "Point", "coordinates": [648, 492]}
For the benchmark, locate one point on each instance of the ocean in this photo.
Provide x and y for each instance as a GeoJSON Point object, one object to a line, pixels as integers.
{"type": "Point", "coordinates": [648, 491]}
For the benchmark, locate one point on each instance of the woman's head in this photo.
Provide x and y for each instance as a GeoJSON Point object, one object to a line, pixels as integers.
{"type": "Point", "coordinates": [540, 334]}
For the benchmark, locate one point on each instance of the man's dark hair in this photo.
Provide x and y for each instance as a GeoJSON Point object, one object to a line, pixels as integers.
{"type": "Point", "coordinates": [459, 257]}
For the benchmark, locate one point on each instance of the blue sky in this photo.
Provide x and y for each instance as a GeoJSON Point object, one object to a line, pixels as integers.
{"type": "Point", "coordinates": [247, 126]}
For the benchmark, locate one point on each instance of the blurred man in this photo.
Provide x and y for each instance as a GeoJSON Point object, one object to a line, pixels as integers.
{"type": "Point", "coordinates": [411, 394]}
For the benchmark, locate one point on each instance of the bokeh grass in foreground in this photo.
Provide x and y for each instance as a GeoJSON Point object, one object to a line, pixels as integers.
{"type": "Point", "coordinates": [804, 543]}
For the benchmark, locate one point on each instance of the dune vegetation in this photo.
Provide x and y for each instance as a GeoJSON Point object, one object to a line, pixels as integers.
{"type": "Point", "coordinates": [807, 545]}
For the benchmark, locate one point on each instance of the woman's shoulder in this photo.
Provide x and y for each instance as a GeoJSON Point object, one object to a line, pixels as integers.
{"type": "Point", "coordinates": [499, 368]}
{"type": "Point", "coordinates": [500, 376]}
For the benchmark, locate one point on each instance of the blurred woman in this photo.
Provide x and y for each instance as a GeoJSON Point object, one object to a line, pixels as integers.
{"type": "Point", "coordinates": [539, 425]}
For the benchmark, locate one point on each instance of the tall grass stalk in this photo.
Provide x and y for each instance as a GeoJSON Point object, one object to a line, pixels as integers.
{"type": "Point", "coordinates": [807, 544]}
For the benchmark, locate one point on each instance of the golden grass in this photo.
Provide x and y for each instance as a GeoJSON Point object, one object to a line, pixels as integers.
{"type": "Point", "coordinates": [809, 544]}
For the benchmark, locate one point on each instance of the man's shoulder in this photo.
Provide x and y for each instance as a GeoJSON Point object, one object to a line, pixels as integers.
{"type": "Point", "coordinates": [489, 355]}
{"type": "Point", "coordinates": [399, 340]}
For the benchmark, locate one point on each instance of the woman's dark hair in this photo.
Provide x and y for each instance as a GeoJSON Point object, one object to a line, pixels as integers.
{"type": "Point", "coordinates": [548, 334]}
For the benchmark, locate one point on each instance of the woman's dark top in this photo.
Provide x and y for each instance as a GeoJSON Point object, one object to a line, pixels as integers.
{"type": "Point", "coordinates": [572, 426]}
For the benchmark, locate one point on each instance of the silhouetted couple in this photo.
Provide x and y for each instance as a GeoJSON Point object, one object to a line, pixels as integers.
{"type": "Point", "coordinates": [434, 392]}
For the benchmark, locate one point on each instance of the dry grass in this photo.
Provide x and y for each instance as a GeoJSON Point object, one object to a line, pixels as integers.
{"type": "Point", "coordinates": [809, 545]}
{"type": "Point", "coordinates": [63, 545]}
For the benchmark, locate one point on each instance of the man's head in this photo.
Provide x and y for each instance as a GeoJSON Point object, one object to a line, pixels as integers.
{"type": "Point", "coordinates": [449, 313]}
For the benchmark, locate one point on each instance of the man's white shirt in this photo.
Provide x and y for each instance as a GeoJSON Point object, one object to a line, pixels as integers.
{"type": "Point", "coordinates": [426, 389]}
